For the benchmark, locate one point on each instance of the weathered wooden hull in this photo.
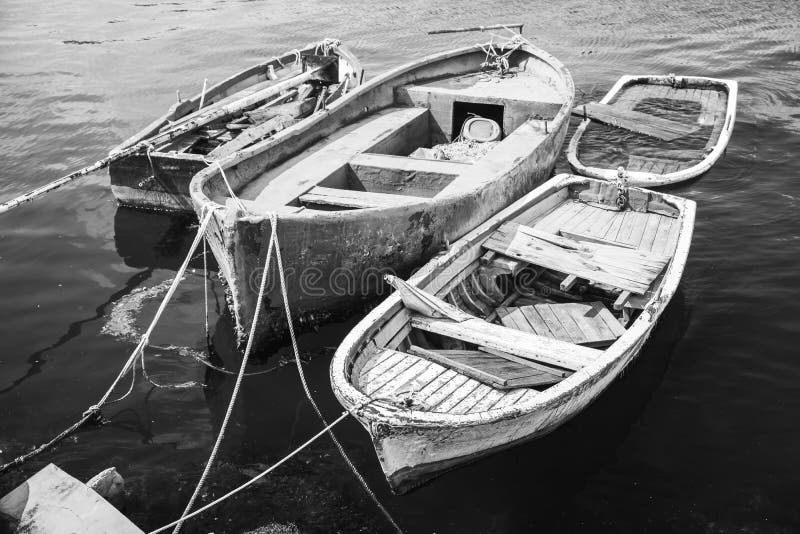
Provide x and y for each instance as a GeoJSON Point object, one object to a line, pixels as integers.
{"type": "Point", "coordinates": [663, 170]}
{"type": "Point", "coordinates": [161, 180]}
{"type": "Point", "coordinates": [335, 259]}
{"type": "Point", "coordinates": [414, 445]}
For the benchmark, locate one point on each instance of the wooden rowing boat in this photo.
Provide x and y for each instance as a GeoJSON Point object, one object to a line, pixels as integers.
{"type": "Point", "coordinates": [661, 129]}
{"type": "Point", "coordinates": [354, 202]}
{"type": "Point", "coordinates": [237, 112]}
{"type": "Point", "coordinates": [517, 328]}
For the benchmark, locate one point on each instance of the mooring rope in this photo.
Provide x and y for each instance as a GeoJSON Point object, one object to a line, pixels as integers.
{"type": "Point", "coordinates": [130, 364]}
{"type": "Point", "coordinates": [313, 403]}
{"type": "Point", "coordinates": [227, 183]}
{"type": "Point", "coordinates": [270, 247]}
{"type": "Point", "coordinates": [258, 477]}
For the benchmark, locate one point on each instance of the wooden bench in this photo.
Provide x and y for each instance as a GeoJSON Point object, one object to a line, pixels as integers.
{"type": "Point", "coordinates": [590, 324]}
{"type": "Point", "coordinates": [546, 350]}
{"type": "Point", "coordinates": [356, 199]}
{"type": "Point", "coordinates": [387, 131]}
{"type": "Point", "coordinates": [383, 173]}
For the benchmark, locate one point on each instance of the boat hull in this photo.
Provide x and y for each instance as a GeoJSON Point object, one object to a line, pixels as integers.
{"type": "Point", "coordinates": [335, 263]}
{"type": "Point", "coordinates": [713, 151]}
{"type": "Point", "coordinates": [412, 455]}
{"type": "Point", "coordinates": [162, 185]}
{"type": "Point", "coordinates": [160, 181]}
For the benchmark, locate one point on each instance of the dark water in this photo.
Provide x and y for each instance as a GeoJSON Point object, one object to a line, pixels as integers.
{"type": "Point", "coordinates": [701, 435]}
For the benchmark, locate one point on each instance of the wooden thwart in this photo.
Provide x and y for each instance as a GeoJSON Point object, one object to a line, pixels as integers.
{"type": "Point", "coordinates": [356, 199]}
{"type": "Point", "coordinates": [495, 371]}
{"type": "Point", "coordinates": [627, 269]}
{"type": "Point", "coordinates": [635, 121]}
{"type": "Point", "coordinates": [523, 344]}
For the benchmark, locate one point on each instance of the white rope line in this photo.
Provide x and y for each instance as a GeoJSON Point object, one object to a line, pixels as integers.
{"type": "Point", "coordinates": [203, 95]}
{"type": "Point", "coordinates": [257, 477]}
{"type": "Point", "coordinates": [239, 377]}
{"type": "Point", "coordinates": [130, 363]}
{"type": "Point", "coordinates": [227, 183]}
{"type": "Point", "coordinates": [303, 381]}
{"type": "Point", "coordinates": [161, 308]}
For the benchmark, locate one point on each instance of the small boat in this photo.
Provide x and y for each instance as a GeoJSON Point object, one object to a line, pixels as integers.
{"type": "Point", "coordinates": [517, 328]}
{"type": "Point", "coordinates": [660, 129]}
{"type": "Point", "coordinates": [383, 178]}
{"type": "Point", "coordinates": [239, 111]}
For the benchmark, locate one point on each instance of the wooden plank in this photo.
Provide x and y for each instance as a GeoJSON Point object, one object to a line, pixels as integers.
{"type": "Point", "coordinates": [536, 322]}
{"type": "Point", "coordinates": [513, 318]}
{"type": "Point", "coordinates": [471, 400]}
{"type": "Point", "coordinates": [381, 375]}
{"type": "Point", "coordinates": [627, 269]}
{"type": "Point", "coordinates": [594, 328]}
{"type": "Point", "coordinates": [608, 318]}
{"type": "Point", "coordinates": [356, 199]}
{"type": "Point", "coordinates": [446, 390]}
{"type": "Point", "coordinates": [485, 404]}
{"type": "Point", "coordinates": [553, 323]}
{"type": "Point", "coordinates": [435, 385]}
{"type": "Point", "coordinates": [402, 379]}
{"type": "Point", "coordinates": [662, 234]}
{"type": "Point", "coordinates": [537, 348]}
{"type": "Point", "coordinates": [562, 313]}
{"type": "Point", "coordinates": [649, 235]}
{"type": "Point", "coordinates": [511, 398]}
{"type": "Point", "coordinates": [568, 282]}
{"type": "Point", "coordinates": [621, 299]}
{"type": "Point", "coordinates": [635, 121]}
{"type": "Point", "coordinates": [52, 501]}
{"type": "Point", "coordinates": [488, 368]}
{"type": "Point", "coordinates": [593, 239]}
{"type": "Point", "coordinates": [547, 371]}
{"type": "Point", "coordinates": [475, 305]}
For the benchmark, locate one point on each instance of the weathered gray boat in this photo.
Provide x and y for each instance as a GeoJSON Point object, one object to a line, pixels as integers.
{"type": "Point", "coordinates": [517, 328]}
{"type": "Point", "coordinates": [661, 129]}
{"type": "Point", "coordinates": [239, 111]}
{"type": "Point", "coordinates": [358, 190]}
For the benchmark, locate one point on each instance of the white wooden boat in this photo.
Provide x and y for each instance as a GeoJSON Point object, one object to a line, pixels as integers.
{"type": "Point", "coordinates": [661, 129]}
{"type": "Point", "coordinates": [517, 328]}
{"type": "Point", "coordinates": [359, 191]}
{"type": "Point", "coordinates": [160, 180]}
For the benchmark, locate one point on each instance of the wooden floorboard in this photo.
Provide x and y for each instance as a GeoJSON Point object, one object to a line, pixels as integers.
{"type": "Point", "coordinates": [456, 396]}
{"type": "Point", "coordinates": [443, 392]}
{"type": "Point", "coordinates": [380, 380]}
{"type": "Point", "coordinates": [486, 403]}
{"type": "Point", "coordinates": [396, 382]}
{"type": "Point", "coordinates": [471, 400]}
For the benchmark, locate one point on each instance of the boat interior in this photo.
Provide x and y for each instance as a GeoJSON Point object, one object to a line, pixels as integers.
{"type": "Point", "coordinates": [539, 298]}
{"type": "Point", "coordinates": [697, 113]}
{"type": "Point", "coordinates": [218, 139]}
{"type": "Point", "coordinates": [430, 135]}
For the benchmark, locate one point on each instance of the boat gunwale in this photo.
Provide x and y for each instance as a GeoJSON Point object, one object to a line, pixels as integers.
{"type": "Point", "coordinates": [649, 179]}
{"type": "Point", "coordinates": [378, 411]}
{"type": "Point", "coordinates": [279, 62]}
{"type": "Point", "coordinates": [203, 202]}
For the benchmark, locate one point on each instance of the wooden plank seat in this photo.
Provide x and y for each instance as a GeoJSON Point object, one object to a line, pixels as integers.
{"type": "Point", "coordinates": [389, 130]}
{"type": "Point", "coordinates": [635, 121]}
{"type": "Point", "coordinates": [384, 173]}
{"type": "Point", "coordinates": [529, 346]}
{"type": "Point", "coordinates": [490, 369]}
{"type": "Point", "coordinates": [356, 199]}
{"type": "Point", "coordinates": [583, 323]}
{"type": "Point", "coordinates": [628, 269]}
